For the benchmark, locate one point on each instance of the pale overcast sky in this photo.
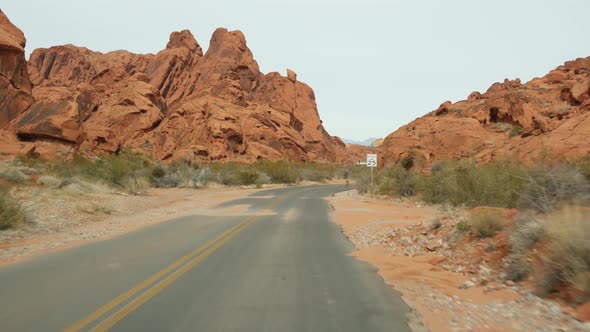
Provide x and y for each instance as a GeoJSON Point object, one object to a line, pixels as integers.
{"type": "Point", "coordinates": [374, 64]}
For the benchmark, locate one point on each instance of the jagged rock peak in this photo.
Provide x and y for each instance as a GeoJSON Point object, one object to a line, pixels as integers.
{"type": "Point", "coordinates": [10, 35]}
{"type": "Point", "coordinates": [185, 39]}
{"type": "Point", "coordinates": [232, 39]}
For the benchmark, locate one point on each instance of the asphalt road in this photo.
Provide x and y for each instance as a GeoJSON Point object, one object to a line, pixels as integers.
{"type": "Point", "coordinates": [287, 271]}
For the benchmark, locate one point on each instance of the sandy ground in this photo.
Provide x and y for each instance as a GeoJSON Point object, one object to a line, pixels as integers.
{"type": "Point", "coordinates": [439, 296]}
{"type": "Point", "coordinates": [64, 219]}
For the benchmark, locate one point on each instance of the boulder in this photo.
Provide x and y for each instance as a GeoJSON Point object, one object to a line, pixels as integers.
{"type": "Point", "coordinates": [54, 121]}
{"type": "Point", "coordinates": [581, 90]}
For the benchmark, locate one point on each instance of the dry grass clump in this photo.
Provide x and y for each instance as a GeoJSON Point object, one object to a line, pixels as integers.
{"type": "Point", "coordinates": [11, 212]}
{"type": "Point", "coordinates": [526, 233]}
{"type": "Point", "coordinates": [13, 174]}
{"type": "Point", "coordinates": [486, 223]}
{"type": "Point", "coordinates": [567, 258]}
{"type": "Point", "coordinates": [49, 181]}
{"type": "Point", "coordinates": [95, 209]}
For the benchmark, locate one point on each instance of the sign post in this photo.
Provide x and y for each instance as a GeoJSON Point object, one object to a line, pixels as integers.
{"type": "Point", "coordinates": [371, 163]}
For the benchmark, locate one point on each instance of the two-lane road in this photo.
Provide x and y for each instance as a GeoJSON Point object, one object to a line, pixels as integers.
{"type": "Point", "coordinates": [282, 271]}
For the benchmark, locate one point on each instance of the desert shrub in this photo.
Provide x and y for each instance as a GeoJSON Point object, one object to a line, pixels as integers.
{"type": "Point", "coordinates": [94, 208]}
{"type": "Point", "coordinates": [184, 172]}
{"type": "Point", "coordinates": [262, 180]}
{"type": "Point", "coordinates": [158, 172]}
{"type": "Point", "coordinates": [167, 181]}
{"type": "Point", "coordinates": [583, 166]}
{"type": "Point", "coordinates": [79, 186]}
{"type": "Point", "coordinates": [548, 186]}
{"type": "Point", "coordinates": [496, 183]}
{"type": "Point", "coordinates": [519, 268]}
{"type": "Point", "coordinates": [526, 233]}
{"type": "Point", "coordinates": [485, 223]}
{"type": "Point", "coordinates": [228, 175]}
{"type": "Point", "coordinates": [136, 184]}
{"type": "Point", "coordinates": [13, 174]}
{"type": "Point", "coordinates": [203, 176]}
{"type": "Point", "coordinates": [515, 131]}
{"type": "Point", "coordinates": [440, 186]}
{"type": "Point", "coordinates": [398, 181]}
{"type": "Point", "coordinates": [463, 226]}
{"type": "Point", "coordinates": [279, 171]}
{"type": "Point", "coordinates": [363, 181]}
{"type": "Point", "coordinates": [49, 181]}
{"type": "Point", "coordinates": [314, 175]}
{"type": "Point", "coordinates": [568, 251]}
{"type": "Point", "coordinates": [112, 169]}
{"type": "Point", "coordinates": [11, 212]}
{"type": "Point", "coordinates": [248, 176]}
{"type": "Point", "coordinates": [115, 168]}
{"type": "Point", "coordinates": [32, 162]}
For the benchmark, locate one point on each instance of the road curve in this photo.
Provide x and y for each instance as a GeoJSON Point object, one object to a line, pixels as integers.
{"type": "Point", "coordinates": [283, 270]}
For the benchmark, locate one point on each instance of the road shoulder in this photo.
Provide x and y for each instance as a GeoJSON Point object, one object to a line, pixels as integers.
{"type": "Point", "coordinates": [395, 237]}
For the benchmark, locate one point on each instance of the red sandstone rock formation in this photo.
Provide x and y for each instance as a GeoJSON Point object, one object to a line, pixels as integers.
{"type": "Point", "coordinates": [15, 87]}
{"type": "Point", "coordinates": [511, 119]}
{"type": "Point", "coordinates": [178, 103]}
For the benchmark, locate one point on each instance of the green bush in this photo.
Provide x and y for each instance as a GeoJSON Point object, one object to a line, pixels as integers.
{"type": "Point", "coordinates": [158, 172]}
{"type": "Point", "coordinates": [248, 176]}
{"type": "Point", "coordinates": [463, 226]}
{"type": "Point", "coordinates": [11, 213]}
{"type": "Point", "coordinates": [496, 183]}
{"type": "Point", "coordinates": [363, 181]}
{"type": "Point", "coordinates": [486, 223]}
{"type": "Point", "coordinates": [279, 171]}
{"type": "Point", "coordinates": [398, 181]}
{"type": "Point", "coordinates": [115, 170]}
{"type": "Point", "coordinates": [440, 186]}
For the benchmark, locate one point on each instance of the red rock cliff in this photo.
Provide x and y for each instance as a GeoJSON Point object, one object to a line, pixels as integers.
{"type": "Point", "coordinates": [178, 103]}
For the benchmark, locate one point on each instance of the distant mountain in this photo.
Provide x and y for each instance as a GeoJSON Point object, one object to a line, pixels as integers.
{"type": "Point", "coordinates": [366, 142]}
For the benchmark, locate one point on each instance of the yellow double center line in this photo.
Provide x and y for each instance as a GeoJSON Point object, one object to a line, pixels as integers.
{"type": "Point", "coordinates": [191, 259]}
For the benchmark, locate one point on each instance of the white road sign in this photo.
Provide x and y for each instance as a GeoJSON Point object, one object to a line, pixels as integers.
{"type": "Point", "coordinates": [371, 160]}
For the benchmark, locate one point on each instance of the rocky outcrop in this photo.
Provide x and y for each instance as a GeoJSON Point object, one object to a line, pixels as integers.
{"type": "Point", "coordinates": [179, 103]}
{"type": "Point", "coordinates": [15, 87]}
{"type": "Point", "coordinates": [510, 120]}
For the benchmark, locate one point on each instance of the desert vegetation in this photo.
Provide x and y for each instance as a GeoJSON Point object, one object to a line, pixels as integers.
{"type": "Point", "coordinates": [547, 234]}
{"type": "Point", "coordinates": [11, 213]}
{"type": "Point", "coordinates": [132, 173]}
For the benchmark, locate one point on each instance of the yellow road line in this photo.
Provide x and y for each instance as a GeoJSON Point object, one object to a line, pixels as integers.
{"type": "Point", "coordinates": [144, 284]}
{"type": "Point", "coordinates": [125, 296]}
{"type": "Point", "coordinates": [132, 306]}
